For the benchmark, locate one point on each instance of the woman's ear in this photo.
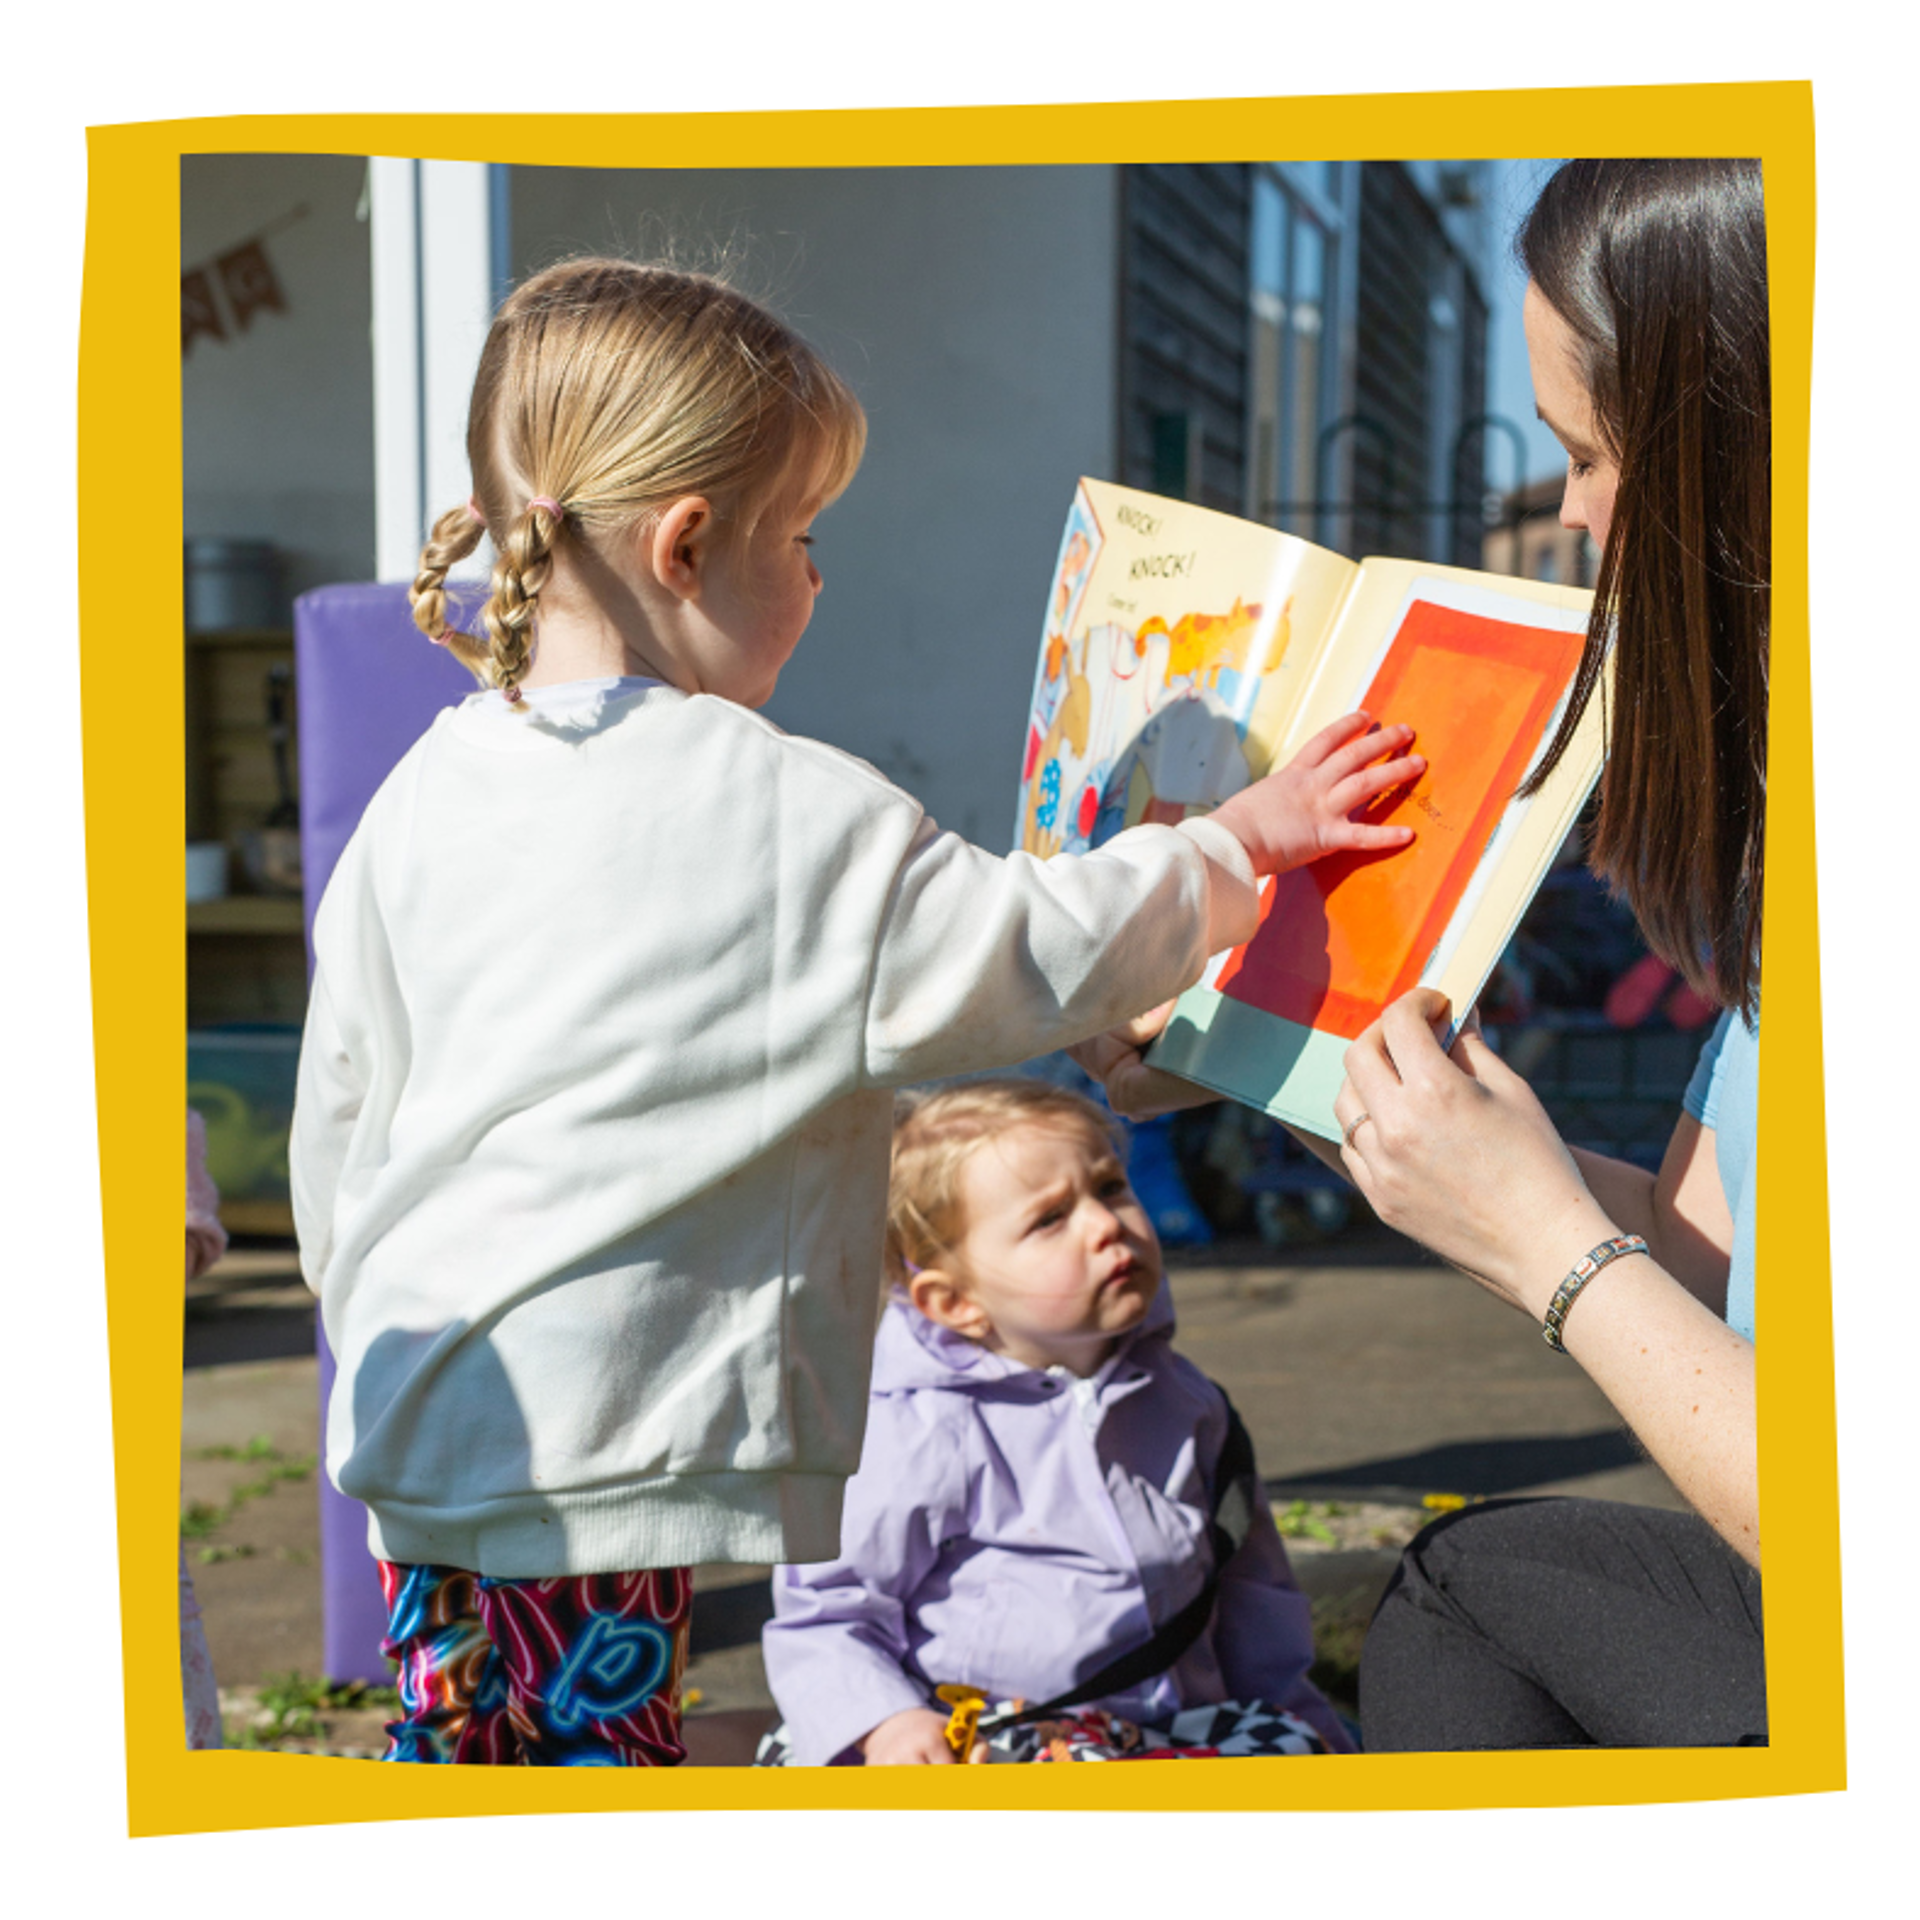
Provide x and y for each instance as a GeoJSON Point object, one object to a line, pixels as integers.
{"type": "Point", "coordinates": [940, 1298]}
{"type": "Point", "coordinates": [678, 544]}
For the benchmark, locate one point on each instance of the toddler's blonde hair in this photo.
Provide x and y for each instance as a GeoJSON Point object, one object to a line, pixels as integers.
{"type": "Point", "coordinates": [610, 388]}
{"type": "Point", "coordinates": [934, 1134]}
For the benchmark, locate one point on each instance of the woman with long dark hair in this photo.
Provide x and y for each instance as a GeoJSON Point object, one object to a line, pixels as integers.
{"type": "Point", "coordinates": [1576, 1622]}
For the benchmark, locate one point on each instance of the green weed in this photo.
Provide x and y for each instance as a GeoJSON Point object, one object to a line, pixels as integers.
{"type": "Point", "coordinates": [200, 1518]}
{"type": "Point", "coordinates": [1307, 1520]}
{"type": "Point", "coordinates": [289, 1706]}
{"type": "Point", "coordinates": [258, 1448]}
{"type": "Point", "coordinates": [212, 1556]}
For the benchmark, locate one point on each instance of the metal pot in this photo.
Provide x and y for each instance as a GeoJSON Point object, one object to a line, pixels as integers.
{"type": "Point", "coordinates": [233, 585]}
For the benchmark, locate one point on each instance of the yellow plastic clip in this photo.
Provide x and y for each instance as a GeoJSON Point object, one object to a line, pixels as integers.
{"type": "Point", "coordinates": [967, 1703]}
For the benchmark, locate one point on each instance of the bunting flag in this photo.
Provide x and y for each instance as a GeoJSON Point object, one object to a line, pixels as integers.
{"type": "Point", "coordinates": [198, 314]}
{"type": "Point", "coordinates": [243, 277]}
{"type": "Point", "coordinates": [247, 279]}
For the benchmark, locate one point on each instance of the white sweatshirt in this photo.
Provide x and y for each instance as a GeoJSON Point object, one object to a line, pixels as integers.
{"type": "Point", "coordinates": [591, 1141]}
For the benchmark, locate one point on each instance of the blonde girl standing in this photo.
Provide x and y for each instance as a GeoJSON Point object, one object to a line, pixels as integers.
{"type": "Point", "coordinates": [590, 1152]}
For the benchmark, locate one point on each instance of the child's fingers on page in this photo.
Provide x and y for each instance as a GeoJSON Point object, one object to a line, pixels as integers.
{"type": "Point", "coordinates": [1357, 789]}
{"type": "Point", "coordinates": [1346, 760]}
{"type": "Point", "coordinates": [1333, 735]}
{"type": "Point", "coordinates": [1360, 836]}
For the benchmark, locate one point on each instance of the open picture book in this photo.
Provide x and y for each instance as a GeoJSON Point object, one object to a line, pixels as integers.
{"type": "Point", "coordinates": [1186, 653]}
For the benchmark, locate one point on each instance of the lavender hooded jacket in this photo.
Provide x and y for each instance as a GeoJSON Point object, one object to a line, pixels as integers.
{"type": "Point", "coordinates": [1016, 1529]}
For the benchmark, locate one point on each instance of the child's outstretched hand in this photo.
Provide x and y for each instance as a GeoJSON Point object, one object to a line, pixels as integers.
{"type": "Point", "coordinates": [914, 1737]}
{"type": "Point", "coordinates": [1305, 809]}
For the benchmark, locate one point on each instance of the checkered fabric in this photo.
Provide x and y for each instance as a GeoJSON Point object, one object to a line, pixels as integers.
{"type": "Point", "coordinates": [1232, 1729]}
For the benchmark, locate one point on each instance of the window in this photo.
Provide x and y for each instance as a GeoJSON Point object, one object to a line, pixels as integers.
{"type": "Point", "coordinates": [1297, 222]}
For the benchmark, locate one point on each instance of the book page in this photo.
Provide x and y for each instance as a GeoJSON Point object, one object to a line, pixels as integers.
{"type": "Point", "coordinates": [1381, 594]}
{"type": "Point", "coordinates": [1177, 646]}
{"type": "Point", "coordinates": [1481, 667]}
{"type": "Point", "coordinates": [1342, 938]}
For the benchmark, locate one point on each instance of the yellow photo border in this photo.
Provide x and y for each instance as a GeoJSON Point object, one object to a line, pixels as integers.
{"type": "Point", "coordinates": [130, 449]}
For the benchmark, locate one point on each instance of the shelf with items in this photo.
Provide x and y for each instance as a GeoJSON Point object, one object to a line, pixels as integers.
{"type": "Point", "coordinates": [249, 913]}
{"type": "Point", "coordinates": [246, 950]}
{"type": "Point", "coordinates": [246, 955]}
{"type": "Point", "coordinates": [242, 639]}
{"type": "Point", "coordinates": [242, 751]}
{"type": "Point", "coordinates": [261, 1219]}
{"type": "Point", "coordinates": [240, 1080]}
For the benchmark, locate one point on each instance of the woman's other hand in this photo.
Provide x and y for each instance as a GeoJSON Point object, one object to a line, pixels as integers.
{"type": "Point", "coordinates": [1456, 1151]}
{"type": "Point", "coordinates": [1134, 1090]}
{"type": "Point", "coordinates": [914, 1737]}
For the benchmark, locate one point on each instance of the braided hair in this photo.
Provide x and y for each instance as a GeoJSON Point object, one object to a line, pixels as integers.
{"type": "Point", "coordinates": [606, 390]}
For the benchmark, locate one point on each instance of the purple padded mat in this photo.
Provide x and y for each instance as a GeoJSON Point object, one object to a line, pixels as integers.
{"type": "Point", "coordinates": [368, 685]}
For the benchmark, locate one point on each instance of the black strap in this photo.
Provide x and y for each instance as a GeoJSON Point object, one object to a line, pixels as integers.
{"type": "Point", "coordinates": [1236, 1493]}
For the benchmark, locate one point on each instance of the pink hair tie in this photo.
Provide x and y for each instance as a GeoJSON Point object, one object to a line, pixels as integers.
{"type": "Point", "coordinates": [474, 513]}
{"type": "Point", "coordinates": [552, 506]}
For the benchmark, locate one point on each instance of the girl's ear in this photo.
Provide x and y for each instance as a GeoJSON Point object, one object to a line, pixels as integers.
{"type": "Point", "coordinates": [936, 1295]}
{"type": "Point", "coordinates": [678, 545]}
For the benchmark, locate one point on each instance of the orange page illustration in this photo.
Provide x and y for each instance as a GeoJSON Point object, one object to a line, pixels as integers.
{"type": "Point", "coordinates": [1342, 938]}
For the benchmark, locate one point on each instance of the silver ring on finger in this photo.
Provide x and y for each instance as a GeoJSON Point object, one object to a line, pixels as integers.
{"type": "Point", "coordinates": [1354, 1125]}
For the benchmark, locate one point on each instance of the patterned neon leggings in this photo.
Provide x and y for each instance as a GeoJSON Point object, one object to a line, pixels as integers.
{"type": "Point", "coordinates": [575, 1672]}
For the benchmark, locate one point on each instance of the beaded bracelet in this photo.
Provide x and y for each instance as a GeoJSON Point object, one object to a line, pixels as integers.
{"type": "Point", "coordinates": [1583, 1271]}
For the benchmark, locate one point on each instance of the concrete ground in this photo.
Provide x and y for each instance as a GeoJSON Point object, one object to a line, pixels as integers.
{"type": "Point", "coordinates": [1374, 1383]}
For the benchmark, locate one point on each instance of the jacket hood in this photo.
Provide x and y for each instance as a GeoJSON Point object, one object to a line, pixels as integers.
{"type": "Point", "coordinates": [910, 1351]}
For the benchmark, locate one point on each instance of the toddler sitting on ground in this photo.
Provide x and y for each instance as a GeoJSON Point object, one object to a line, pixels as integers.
{"type": "Point", "coordinates": [1044, 1485]}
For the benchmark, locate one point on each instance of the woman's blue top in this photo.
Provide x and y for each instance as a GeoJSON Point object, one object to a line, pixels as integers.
{"type": "Point", "coordinates": [1724, 1094]}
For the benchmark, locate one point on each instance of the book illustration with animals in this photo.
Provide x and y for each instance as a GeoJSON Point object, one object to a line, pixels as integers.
{"type": "Point", "coordinates": [1186, 652]}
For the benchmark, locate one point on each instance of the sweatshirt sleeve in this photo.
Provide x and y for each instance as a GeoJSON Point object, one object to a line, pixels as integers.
{"type": "Point", "coordinates": [327, 1095]}
{"type": "Point", "coordinates": [837, 1647]}
{"type": "Point", "coordinates": [984, 961]}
